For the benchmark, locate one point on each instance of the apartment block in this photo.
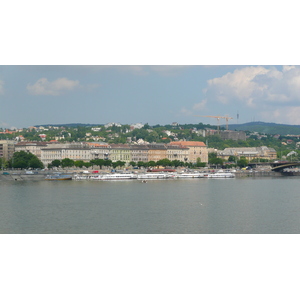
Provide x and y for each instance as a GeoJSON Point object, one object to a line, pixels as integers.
{"type": "Point", "coordinates": [32, 147]}
{"type": "Point", "coordinates": [196, 150]}
{"type": "Point", "coordinates": [7, 149]}
{"type": "Point", "coordinates": [120, 152]}
{"type": "Point", "coordinates": [157, 152]}
{"type": "Point", "coordinates": [139, 153]}
{"type": "Point", "coordinates": [177, 152]}
{"type": "Point", "coordinates": [49, 154]}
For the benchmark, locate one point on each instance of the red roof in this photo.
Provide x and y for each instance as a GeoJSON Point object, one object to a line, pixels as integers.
{"type": "Point", "coordinates": [189, 144]}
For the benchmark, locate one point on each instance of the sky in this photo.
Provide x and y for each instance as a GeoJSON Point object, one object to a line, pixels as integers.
{"type": "Point", "coordinates": [154, 94]}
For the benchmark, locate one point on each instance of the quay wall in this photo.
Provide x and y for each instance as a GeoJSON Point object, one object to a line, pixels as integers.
{"type": "Point", "coordinates": [22, 177]}
{"type": "Point", "coordinates": [240, 174]}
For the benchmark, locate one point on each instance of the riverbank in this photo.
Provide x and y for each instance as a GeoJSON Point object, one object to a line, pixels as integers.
{"type": "Point", "coordinates": [23, 176]}
{"type": "Point", "coordinates": [253, 173]}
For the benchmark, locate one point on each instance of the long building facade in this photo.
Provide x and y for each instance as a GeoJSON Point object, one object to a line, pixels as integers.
{"type": "Point", "coordinates": [124, 152]}
{"type": "Point", "coordinates": [248, 152]}
{"type": "Point", "coordinates": [185, 151]}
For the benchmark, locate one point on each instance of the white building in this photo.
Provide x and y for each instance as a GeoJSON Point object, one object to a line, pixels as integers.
{"type": "Point", "coordinates": [49, 154]}
{"type": "Point", "coordinates": [7, 148]}
{"type": "Point", "coordinates": [32, 147]}
{"type": "Point", "coordinates": [112, 124]}
{"type": "Point", "coordinates": [137, 126]}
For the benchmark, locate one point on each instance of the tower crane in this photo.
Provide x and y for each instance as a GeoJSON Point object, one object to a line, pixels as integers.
{"type": "Point", "coordinates": [218, 118]}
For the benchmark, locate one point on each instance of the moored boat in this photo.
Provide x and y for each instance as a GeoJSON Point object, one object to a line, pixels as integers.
{"type": "Point", "coordinates": [219, 174]}
{"type": "Point", "coordinates": [188, 175]}
{"type": "Point", "coordinates": [58, 177]}
{"type": "Point", "coordinates": [115, 176]}
{"type": "Point", "coordinates": [152, 176]}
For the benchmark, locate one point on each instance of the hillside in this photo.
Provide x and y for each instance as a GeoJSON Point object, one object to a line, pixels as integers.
{"type": "Point", "coordinates": [260, 127]}
{"type": "Point", "coordinates": [268, 128]}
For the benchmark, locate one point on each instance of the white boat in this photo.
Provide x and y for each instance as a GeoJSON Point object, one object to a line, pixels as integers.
{"type": "Point", "coordinates": [219, 174]}
{"type": "Point", "coordinates": [116, 176]}
{"type": "Point", "coordinates": [80, 177]}
{"type": "Point", "coordinates": [188, 175]}
{"type": "Point", "coordinates": [152, 176]}
{"type": "Point", "coordinates": [58, 177]}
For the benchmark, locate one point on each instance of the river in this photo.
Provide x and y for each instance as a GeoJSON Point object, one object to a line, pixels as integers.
{"type": "Point", "coordinates": [193, 206]}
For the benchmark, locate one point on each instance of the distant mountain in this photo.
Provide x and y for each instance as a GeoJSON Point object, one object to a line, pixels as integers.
{"type": "Point", "coordinates": [268, 128]}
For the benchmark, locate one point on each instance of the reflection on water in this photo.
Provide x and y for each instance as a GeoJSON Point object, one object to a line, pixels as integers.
{"type": "Point", "coordinates": [266, 205]}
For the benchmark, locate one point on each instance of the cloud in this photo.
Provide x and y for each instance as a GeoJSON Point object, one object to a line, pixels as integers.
{"type": "Point", "coordinates": [4, 125]}
{"type": "Point", "coordinates": [1, 87]}
{"type": "Point", "coordinates": [256, 86]}
{"type": "Point", "coordinates": [186, 112]}
{"type": "Point", "coordinates": [290, 115]}
{"type": "Point", "coordinates": [271, 93]}
{"type": "Point", "coordinates": [54, 88]}
{"type": "Point", "coordinates": [201, 105]}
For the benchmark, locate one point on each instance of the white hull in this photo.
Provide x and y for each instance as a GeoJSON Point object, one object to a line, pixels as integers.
{"type": "Point", "coordinates": [107, 177]}
{"type": "Point", "coordinates": [114, 177]}
{"type": "Point", "coordinates": [219, 175]}
{"type": "Point", "coordinates": [153, 176]}
{"type": "Point", "coordinates": [188, 175]}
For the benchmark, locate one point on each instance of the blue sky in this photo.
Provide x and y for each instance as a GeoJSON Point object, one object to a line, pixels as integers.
{"type": "Point", "coordinates": [155, 94]}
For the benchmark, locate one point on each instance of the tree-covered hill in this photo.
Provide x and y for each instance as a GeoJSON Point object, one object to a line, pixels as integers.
{"type": "Point", "coordinates": [268, 128]}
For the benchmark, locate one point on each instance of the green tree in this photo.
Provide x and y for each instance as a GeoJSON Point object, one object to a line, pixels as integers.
{"type": "Point", "coordinates": [200, 164]}
{"type": "Point", "coordinates": [120, 163]}
{"type": "Point", "coordinates": [79, 163]}
{"type": "Point", "coordinates": [107, 163]}
{"type": "Point", "coordinates": [151, 163]}
{"type": "Point", "coordinates": [98, 162]}
{"type": "Point", "coordinates": [35, 163]}
{"type": "Point", "coordinates": [176, 163]}
{"type": "Point", "coordinates": [242, 162]}
{"type": "Point", "coordinates": [56, 163]}
{"type": "Point", "coordinates": [232, 158]}
{"type": "Point", "coordinates": [3, 163]}
{"type": "Point", "coordinates": [163, 162]}
{"type": "Point", "coordinates": [67, 162]}
{"type": "Point", "coordinates": [141, 164]}
{"type": "Point", "coordinates": [214, 160]}
{"type": "Point", "coordinates": [23, 160]}
{"type": "Point", "coordinates": [132, 163]}
{"type": "Point", "coordinates": [87, 164]}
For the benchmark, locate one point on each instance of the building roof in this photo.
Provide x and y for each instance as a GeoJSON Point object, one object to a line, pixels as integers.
{"type": "Point", "coordinates": [189, 144]}
{"type": "Point", "coordinates": [32, 144]}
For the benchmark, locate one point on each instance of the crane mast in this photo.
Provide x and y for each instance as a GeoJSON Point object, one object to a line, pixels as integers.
{"type": "Point", "coordinates": [218, 118]}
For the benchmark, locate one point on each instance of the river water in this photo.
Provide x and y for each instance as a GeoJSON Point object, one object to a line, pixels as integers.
{"type": "Point", "coordinates": [193, 206]}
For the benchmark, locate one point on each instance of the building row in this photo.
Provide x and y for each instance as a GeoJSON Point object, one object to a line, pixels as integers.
{"type": "Point", "coordinates": [185, 151]}
{"type": "Point", "coordinates": [249, 153]}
